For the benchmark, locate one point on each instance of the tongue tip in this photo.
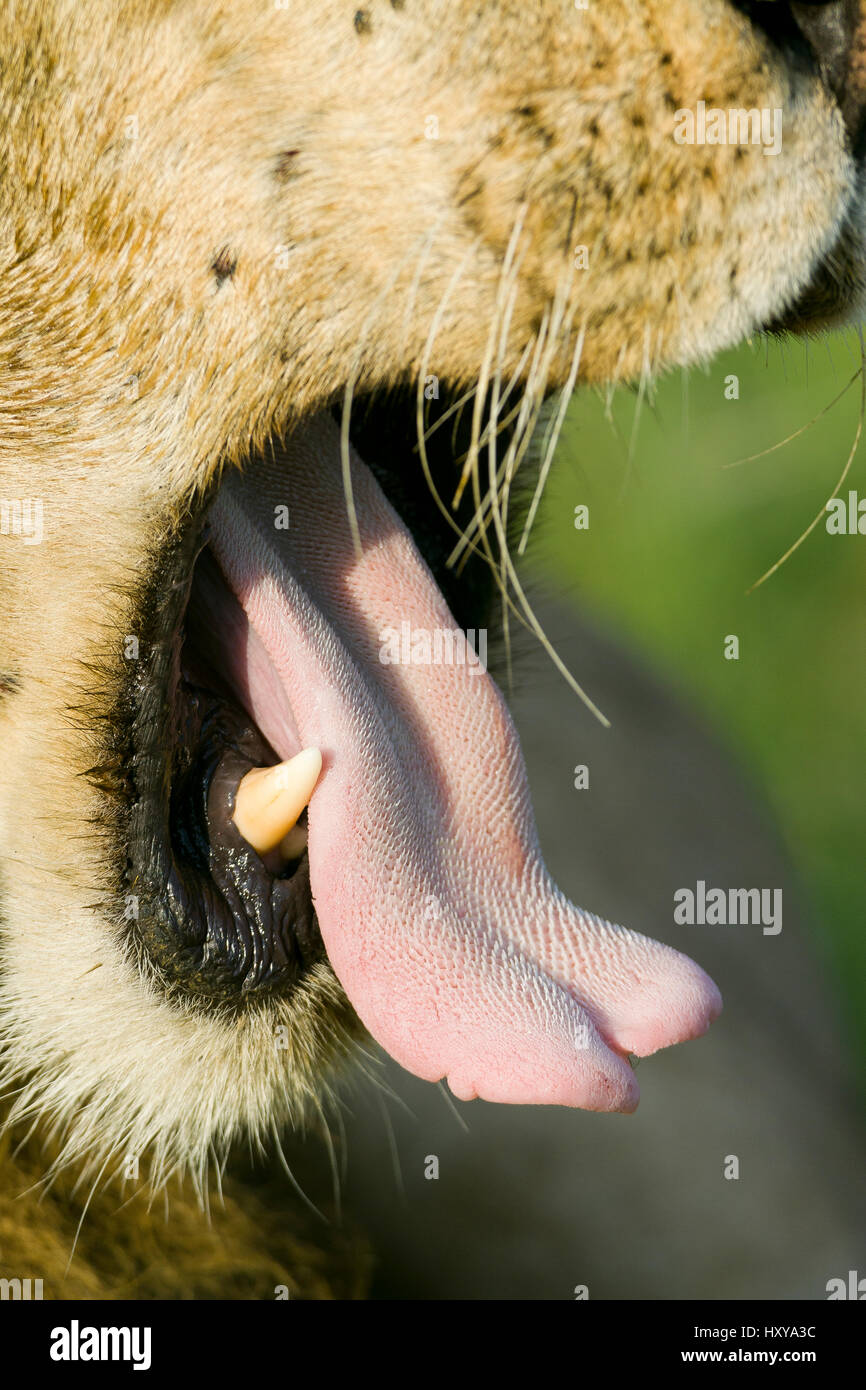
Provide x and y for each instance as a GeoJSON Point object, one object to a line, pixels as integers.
{"type": "Point", "coordinates": [595, 1076]}
{"type": "Point", "coordinates": [692, 1019]}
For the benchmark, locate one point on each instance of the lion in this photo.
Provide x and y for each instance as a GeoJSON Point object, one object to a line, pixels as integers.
{"type": "Point", "coordinates": [253, 256]}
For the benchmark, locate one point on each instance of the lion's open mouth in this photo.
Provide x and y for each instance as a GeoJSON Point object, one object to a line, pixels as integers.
{"type": "Point", "coordinates": [223, 924]}
{"type": "Point", "coordinates": [285, 628]}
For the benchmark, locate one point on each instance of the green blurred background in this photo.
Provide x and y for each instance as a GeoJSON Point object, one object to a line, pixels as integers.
{"type": "Point", "coordinates": [677, 537]}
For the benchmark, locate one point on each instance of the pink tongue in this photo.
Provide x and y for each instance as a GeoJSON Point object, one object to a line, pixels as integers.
{"type": "Point", "coordinates": [458, 952]}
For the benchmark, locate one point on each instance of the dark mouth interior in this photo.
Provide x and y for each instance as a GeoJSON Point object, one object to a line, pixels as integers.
{"type": "Point", "coordinates": [219, 924]}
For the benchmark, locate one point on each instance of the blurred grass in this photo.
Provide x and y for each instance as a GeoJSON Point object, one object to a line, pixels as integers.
{"type": "Point", "coordinates": [676, 538]}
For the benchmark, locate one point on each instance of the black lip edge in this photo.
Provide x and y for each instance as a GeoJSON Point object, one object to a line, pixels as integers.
{"type": "Point", "coordinates": [200, 947]}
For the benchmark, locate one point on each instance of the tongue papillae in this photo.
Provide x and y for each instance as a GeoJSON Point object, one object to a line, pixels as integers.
{"type": "Point", "coordinates": [457, 950]}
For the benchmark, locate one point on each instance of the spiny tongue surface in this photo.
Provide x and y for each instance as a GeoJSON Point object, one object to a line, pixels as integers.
{"type": "Point", "coordinates": [458, 952]}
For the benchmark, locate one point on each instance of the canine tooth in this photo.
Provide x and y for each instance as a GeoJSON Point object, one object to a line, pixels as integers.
{"type": "Point", "coordinates": [269, 800]}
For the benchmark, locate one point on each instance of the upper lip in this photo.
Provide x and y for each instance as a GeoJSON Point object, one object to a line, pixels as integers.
{"type": "Point", "coordinates": [206, 915]}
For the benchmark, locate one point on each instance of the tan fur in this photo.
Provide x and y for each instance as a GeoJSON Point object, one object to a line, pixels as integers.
{"type": "Point", "coordinates": [128, 1247]}
{"type": "Point", "coordinates": [214, 214]}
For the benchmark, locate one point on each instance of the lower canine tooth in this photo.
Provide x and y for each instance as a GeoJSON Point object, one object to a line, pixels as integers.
{"type": "Point", "coordinates": [269, 800]}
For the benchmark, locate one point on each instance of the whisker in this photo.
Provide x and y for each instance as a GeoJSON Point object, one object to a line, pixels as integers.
{"type": "Point", "coordinates": [448, 1099]}
{"type": "Point", "coordinates": [837, 489]}
{"type": "Point", "coordinates": [559, 420]}
{"type": "Point", "coordinates": [537, 345]}
{"type": "Point", "coordinates": [632, 444]}
{"type": "Point", "coordinates": [392, 1147]}
{"type": "Point", "coordinates": [470, 467]}
{"type": "Point", "coordinates": [751, 458]}
{"type": "Point", "coordinates": [284, 1163]}
{"type": "Point", "coordinates": [84, 1212]}
{"type": "Point", "coordinates": [332, 1160]}
{"type": "Point", "coordinates": [446, 415]}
